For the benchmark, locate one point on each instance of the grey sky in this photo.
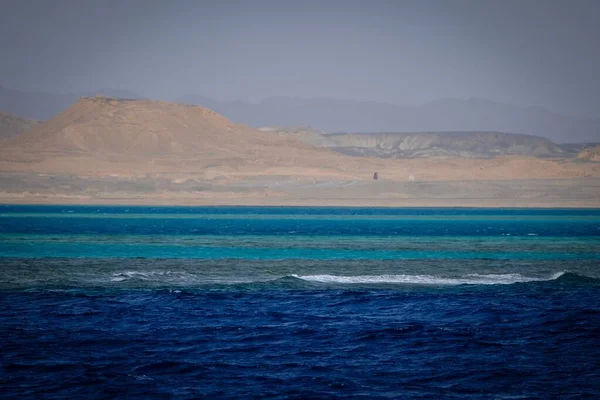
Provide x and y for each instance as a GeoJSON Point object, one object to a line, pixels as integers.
{"type": "Point", "coordinates": [523, 52]}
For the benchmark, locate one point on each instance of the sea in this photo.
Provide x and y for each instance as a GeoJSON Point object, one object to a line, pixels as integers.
{"type": "Point", "coordinates": [299, 303]}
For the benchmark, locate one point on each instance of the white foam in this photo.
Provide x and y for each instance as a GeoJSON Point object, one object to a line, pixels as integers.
{"type": "Point", "coordinates": [472, 279]}
{"type": "Point", "coordinates": [174, 277]}
{"type": "Point", "coordinates": [149, 275]}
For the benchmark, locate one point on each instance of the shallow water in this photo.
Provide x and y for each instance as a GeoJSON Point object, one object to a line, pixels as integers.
{"type": "Point", "coordinates": [298, 302]}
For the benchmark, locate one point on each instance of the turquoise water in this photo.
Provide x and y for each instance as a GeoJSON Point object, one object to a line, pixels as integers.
{"type": "Point", "coordinates": [325, 248]}
{"type": "Point", "coordinates": [298, 302]}
{"type": "Point", "coordinates": [196, 246]}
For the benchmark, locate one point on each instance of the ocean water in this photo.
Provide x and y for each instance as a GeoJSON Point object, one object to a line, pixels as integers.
{"type": "Point", "coordinates": [293, 302]}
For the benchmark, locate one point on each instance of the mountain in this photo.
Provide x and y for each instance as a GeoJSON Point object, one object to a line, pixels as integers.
{"type": "Point", "coordinates": [141, 135]}
{"type": "Point", "coordinates": [107, 126]}
{"type": "Point", "coordinates": [11, 124]}
{"type": "Point", "coordinates": [443, 144]}
{"type": "Point", "coordinates": [43, 106]}
{"type": "Point", "coordinates": [474, 114]}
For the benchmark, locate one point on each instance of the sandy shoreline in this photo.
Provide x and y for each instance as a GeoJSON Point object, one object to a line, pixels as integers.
{"type": "Point", "coordinates": [282, 191]}
{"type": "Point", "coordinates": [375, 203]}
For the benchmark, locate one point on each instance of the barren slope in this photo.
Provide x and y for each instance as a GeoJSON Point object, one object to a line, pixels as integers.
{"type": "Point", "coordinates": [106, 135]}
{"type": "Point", "coordinates": [136, 128]}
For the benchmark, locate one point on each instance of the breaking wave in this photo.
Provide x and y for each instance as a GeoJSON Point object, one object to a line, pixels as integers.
{"type": "Point", "coordinates": [180, 277]}
{"type": "Point", "coordinates": [150, 275]}
{"type": "Point", "coordinates": [471, 279]}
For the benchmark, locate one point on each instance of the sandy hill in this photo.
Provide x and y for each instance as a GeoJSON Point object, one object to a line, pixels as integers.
{"type": "Point", "coordinates": [134, 128]}
{"type": "Point", "coordinates": [11, 125]}
{"type": "Point", "coordinates": [109, 135]}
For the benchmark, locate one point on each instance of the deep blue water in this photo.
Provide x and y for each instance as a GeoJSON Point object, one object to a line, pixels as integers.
{"type": "Point", "coordinates": [293, 302]}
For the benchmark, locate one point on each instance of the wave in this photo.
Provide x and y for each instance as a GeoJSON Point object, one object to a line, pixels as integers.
{"type": "Point", "coordinates": [150, 275]}
{"type": "Point", "coordinates": [471, 279]}
{"type": "Point", "coordinates": [171, 277]}
{"type": "Point", "coordinates": [181, 279]}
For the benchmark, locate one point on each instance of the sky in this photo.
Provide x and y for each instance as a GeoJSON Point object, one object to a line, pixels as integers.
{"type": "Point", "coordinates": [523, 52]}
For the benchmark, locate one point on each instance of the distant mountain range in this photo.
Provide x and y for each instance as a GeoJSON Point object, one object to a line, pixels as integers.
{"type": "Point", "coordinates": [333, 115]}
{"type": "Point", "coordinates": [444, 144]}
{"type": "Point", "coordinates": [467, 144]}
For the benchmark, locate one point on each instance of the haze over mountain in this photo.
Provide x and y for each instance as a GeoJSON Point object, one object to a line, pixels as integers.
{"type": "Point", "coordinates": [44, 105]}
{"type": "Point", "coordinates": [398, 52]}
{"type": "Point", "coordinates": [333, 115]}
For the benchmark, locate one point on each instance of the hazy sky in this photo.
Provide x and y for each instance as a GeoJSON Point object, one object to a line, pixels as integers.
{"type": "Point", "coordinates": [522, 52]}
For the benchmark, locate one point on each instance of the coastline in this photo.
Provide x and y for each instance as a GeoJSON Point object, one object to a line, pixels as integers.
{"type": "Point", "coordinates": [278, 192]}
{"type": "Point", "coordinates": [282, 202]}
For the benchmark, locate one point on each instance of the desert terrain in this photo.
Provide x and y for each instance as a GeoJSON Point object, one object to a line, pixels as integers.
{"type": "Point", "coordinates": [105, 150]}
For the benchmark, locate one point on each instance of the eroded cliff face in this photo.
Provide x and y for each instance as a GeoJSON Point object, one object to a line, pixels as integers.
{"type": "Point", "coordinates": [430, 144]}
{"type": "Point", "coordinates": [591, 154]}
{"type": "Point", "coordinates": [439, 144]}
{"type": "Point", "coordinates": [11, 125]}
